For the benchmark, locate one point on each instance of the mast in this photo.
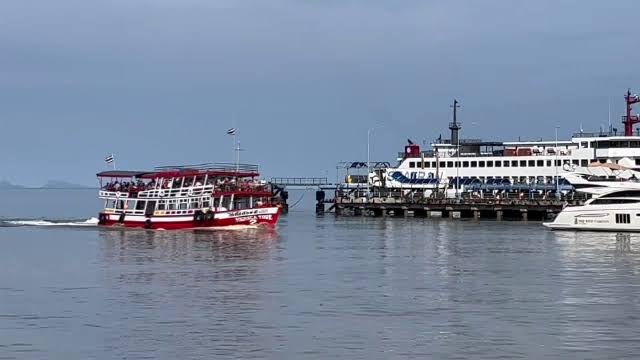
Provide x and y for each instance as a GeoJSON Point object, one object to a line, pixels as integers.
{"type": "Point", "coordinates": [629, 120]}
{"type": "Point", "coordinates": [455, 126]}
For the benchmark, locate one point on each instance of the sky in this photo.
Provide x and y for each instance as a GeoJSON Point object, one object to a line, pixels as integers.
{"type": "Point", "coordinates": [158, 82]}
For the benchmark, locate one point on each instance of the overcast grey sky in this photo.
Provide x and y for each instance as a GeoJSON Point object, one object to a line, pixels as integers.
{"type": "Point", "coordinates": [160, 81]}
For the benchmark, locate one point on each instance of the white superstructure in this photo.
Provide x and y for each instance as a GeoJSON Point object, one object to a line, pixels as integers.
{"type": "Point", "coordinates": [458, 161]}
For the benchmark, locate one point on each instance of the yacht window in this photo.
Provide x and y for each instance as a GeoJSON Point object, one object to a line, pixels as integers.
{"type": "Point", "coordinates": [498, 163]}
{"type": "Point", "coordinates": [585, 163]}
{"type": "Point", "coordinates": [490, 163]}
{"type": "Point", "coordinates": [433, 164]}
{"type": "Point", "coordinates": [449, 164]}
{"type": "Point", "coordinates": [540, 163]}
{"type": "Point", "coordinates": [584, 144]}
{"type": "Point", "coordinates": [623, 193]}
{"type": "Point", "coordinates": [532, 163]}
{"type": "Point", "coordinates": [474, 164]}
{"type": "Point", "coordinates": [575, 162]}
{"type": "Point", "coordinates": [506, 163]}
{"type": "Point", "coordinates": [523, 163]}
{"type": "Point", "coordinates": [466, 164]}
{"type": "Point", "coordinates": [441, 164]}
{"type": "Point", "coordinates": [623, 218]}
{"type": "Point", "coordinates": [514, 163]}
{"type": "Point", "coordinates": [614, 201]}
{"type": "Point", "coordinates": [481, 164]}
{"type": "Point", "coordinates": [412, 164]}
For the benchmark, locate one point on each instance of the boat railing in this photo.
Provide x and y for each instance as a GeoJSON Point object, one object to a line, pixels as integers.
{"type": "Point", "coordinates": [176, 192]}
{"type": "Point", "coordinates": [213, 167]}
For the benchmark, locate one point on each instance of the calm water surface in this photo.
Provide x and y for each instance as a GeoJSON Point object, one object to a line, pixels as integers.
{"type": "Point", "coordinates": [316, 288]}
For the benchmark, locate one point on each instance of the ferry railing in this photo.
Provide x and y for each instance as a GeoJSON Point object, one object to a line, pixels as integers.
{"type": "Point", "coordinates": [221, 167]}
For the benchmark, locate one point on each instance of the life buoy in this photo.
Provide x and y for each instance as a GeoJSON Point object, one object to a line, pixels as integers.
{"type": "Point", "coordinates": [161, 193]}
{"type": "Point", "coordinates": [147, 224]}
{"type": "Point", "coordinates": [190, 192]}
{"type": "Point", "coordinates": [118, 194]}
{"type": "Point", "coordinates": [121, 218]}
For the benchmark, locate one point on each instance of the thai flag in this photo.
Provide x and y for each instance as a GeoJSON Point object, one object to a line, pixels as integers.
{"type": "Point", "coordinates": [109, 159]}
{"type": "Point", "coordinates": [231, 131]}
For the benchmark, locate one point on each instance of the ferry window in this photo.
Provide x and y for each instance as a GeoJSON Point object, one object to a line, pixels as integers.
{"type": "Point", "coordinates": [585, 163]}
{"type": "Point", "coordinates": [194, 204]}
{"type": "Point", "coordinates": [514, 163]}
{"type": "Point", "coordinates": [474, 164]}
{"type": "Point", "coordinates": [489, 163]}
{"type": "Point", "coordinates": [634, 144]}
{"type": "Point", "coordinates": [466, 163]}
{"type": "Point", "coordinates": [433, 164]}
{"type": "Point", "coordinates": [412, 164]}
{"type": "Point", "coordinates": [540, 163]}
{"type": "Point", "coordinates": [506, 163]}
{"type": "Point", "coordinates": [450, 164]}
{"type": "Point", "coordinates": [637, 161]}
{"type": "Point", "coordinates": [425, 164]}
{"type": "Point", "coordinates": [171, 205]}
{"type": "Point", "coordinates": [584, 144]}
{"type": "Point", "coordinates": [548, 162]}
{"type": "Point", "coordinates": [591, 144]}
{"type": "Point", "coordinates": [162, 205]}
{"type": "Point", "coordinates": [498, 163]}
{"type": "Point", "coordinates": [532, 163]}
{"type": "Point", "coordinates": [205, 203]}
{"type": "Point", "coordinates": [523, 163]}
{"type": "Point", "coordinates": [481, 164]}
{"type": "Point", "coordinates": [457, 164]}
{"type": "Point", "coordinates": [575, 162]}
{"type": "Point", "coordinates": [441, 164]}
{"type": "Point", "coordinates": [557, 162]}
{"type": "Point", "coordinates": [140, 204]}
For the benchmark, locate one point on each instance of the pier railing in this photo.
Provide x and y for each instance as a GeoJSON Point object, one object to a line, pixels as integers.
{"type": "Point", "coordinates": [299, 181]}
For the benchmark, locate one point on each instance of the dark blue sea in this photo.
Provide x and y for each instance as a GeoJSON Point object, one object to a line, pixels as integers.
{"type": "Point", "coordinates": [314, 288]}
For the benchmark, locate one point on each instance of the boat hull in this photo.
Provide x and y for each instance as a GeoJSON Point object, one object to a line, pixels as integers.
{"type": "Point", "coordinates": [248, 218]}
{"type": "Point", "coordinates": [593, 218]}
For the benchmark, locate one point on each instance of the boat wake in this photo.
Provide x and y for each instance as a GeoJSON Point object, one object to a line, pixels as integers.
{"type": "Point", "coordinates": [43, 222]}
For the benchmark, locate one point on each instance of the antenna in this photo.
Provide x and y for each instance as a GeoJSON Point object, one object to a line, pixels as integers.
{"type": "Point", "coordinates": [609, 103]}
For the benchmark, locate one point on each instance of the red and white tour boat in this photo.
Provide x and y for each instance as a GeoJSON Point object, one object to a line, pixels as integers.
{"type": "Point", "coordinates": [187, 197]}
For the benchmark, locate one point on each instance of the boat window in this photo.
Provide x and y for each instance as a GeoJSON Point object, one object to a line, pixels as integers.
{"type": "Point", "coordinates": [532, 163]}
{"type": "Point", "coordinates": [140, 204]}
{"type": "Point", "coordinates": [183, 204]}
{"type": "Point", "coordinates": [549, 163]}
{"type": "Point", "coordinates": [457, 164]}
{"type": "Point", "coordinates": [171, 204]}
{"type": "Point", "coordinates": [523, 163]}
{"type": "Point", "coordinates": [575, 162]}
{"type": "Point", "coordinates": [540, 163]}
{"type": "Point", "coordinates": [557, 162]}
{"type": "Point", "coordinates": [162, 205]}
{"type": "Point", "coordinates": [498, 163]}
{"type": "Point", "coordinates": [623, 193]}
{"type": "Point", "coordinates": [433, 164]}
{"type": "Point", "coordinates": [623, 218]}
{"type": "Point", "coordinates": [474, 164]}
{"type": "Point", "coordinates": [585, 163]}
{"type": "Point", "coordinates": [450, 164]}
{"type": "Point", "coordinates": [205, 203]}
{"type": "Point", "coordinates": [441, 164]}
{"type": "Point", "coordinates": [481, 164]}
{"type": "Point", "coordinates": [506, 163]}
{"type": "Point", "coordinates": [412, 164]}
{"type": "Point", "coordinates": [514, 163]}
{"type": "Point", "coordinates": [194, 204]}
{"type": "Point", "coordinates": [466, 164]}
{"type": "Point", "coordinates": [489, 163]}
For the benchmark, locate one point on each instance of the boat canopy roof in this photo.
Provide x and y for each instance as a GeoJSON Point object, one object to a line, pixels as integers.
{"type": "Point", "coordinates": [211, 169]}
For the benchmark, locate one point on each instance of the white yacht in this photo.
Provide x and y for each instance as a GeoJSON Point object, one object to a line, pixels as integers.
{"type": "Point", "coordinates": [613, 210]}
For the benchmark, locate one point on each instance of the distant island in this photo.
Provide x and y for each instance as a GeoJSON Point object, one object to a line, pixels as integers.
{"type": "Point", "coordinates": [51, 184]}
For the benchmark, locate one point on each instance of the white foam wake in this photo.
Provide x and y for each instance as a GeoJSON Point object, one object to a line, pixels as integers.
{"type": "Point", "coordinates": [89, 222]}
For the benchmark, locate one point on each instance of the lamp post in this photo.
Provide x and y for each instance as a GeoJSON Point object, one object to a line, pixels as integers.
{"type": "Point", "coordinates": [556, 164]}
{"type": "Point", "coordinates": [368, 160]}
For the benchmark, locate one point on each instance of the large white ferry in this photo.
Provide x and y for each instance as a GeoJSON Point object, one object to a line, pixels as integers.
{"type": "Point", "coordinates": [457, 162]}
{"type": "Point", "coordinates": [182, 197]}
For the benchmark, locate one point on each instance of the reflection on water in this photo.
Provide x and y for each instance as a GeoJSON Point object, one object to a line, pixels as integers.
{"type": "Point", "coordinates": [357, 288]}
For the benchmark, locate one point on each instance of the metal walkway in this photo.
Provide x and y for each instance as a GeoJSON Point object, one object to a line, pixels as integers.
{"type": "Point", "coordinates": [300, 181]}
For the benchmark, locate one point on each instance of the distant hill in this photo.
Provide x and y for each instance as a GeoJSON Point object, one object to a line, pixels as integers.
{"type": "Point", "coordinates": [4, 184]}
{"type": "Point", "coordinates": [56, 184]}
